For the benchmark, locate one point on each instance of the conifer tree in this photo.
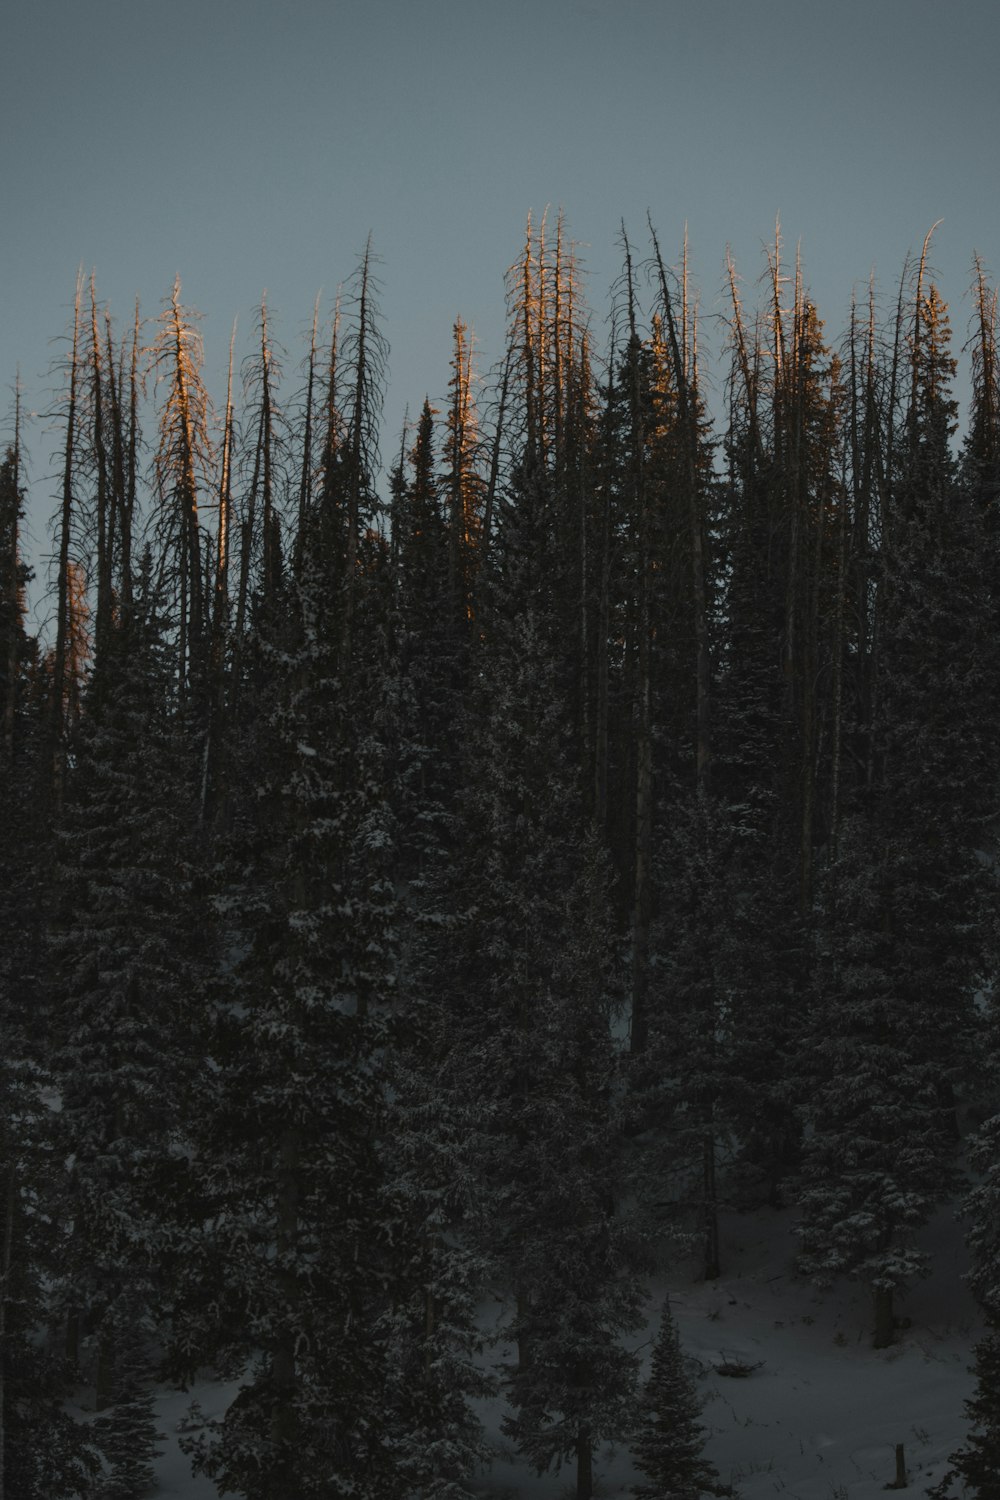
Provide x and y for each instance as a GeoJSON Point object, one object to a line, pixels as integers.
{"type": "Point", "coordinates": [463, 484]}
{"type": "Point", "coordinates": [430, 1329]}
{"type": "Point", "coordinates": [126, 1431]}
{"type": "Point", "coordinates": [125, 1032]}
{"type": "Point", "coordinates": [668, 1443]}
{"type": "Point", "coordinates": [44, 1453]}
{"type": "Point", "coordinates": [184, 465]}
{"type": "Point", "coordinates": [534, 1049]}
{"type": "Point", "coordinates": [14, 577]}
{"type": "Point", "coordinates": [893, 1025]}
{"type": "Point", "coordinates": [291, 1154]}
{"type": "Point", "coordinates": [62, 684]}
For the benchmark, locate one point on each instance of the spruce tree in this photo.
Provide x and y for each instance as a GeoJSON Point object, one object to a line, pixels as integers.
{"type": "Point", "coordinates": [892, 1029]}
{"type": "Point", "coordinates": [293, 1161]}
{"type": "Point", "coordinates": [531, 1001]}
{"type": "Point", "coordinates": [44, 1453]}
{"type": "Point", "coordinates": [125, 946]}
{"type": "Point", "coordinates": [289, 1156]}
{"type": "Point", "coordinates": [126, 1431]}
{"type": "Point", "coordinates": [668, 1443]}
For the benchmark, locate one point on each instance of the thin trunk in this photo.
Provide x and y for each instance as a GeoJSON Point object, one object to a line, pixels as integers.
{"type": "Point", "coordinates": [58, 703]}
{"type": "Point", "coordinates": [269, 561]}
{"type": "Point", "coordinates": [117, 481]}
{"type": "Point", "coordinates": [495, 450]}
{"type": "Point", "coordinates": [584, 1465]}
{"type": "Point", "coordinates": [710, 1207]}
{"type": "Point", "coordinates": [247, 536]}
{"type": "Point", "coordinates": [602, 647]}
{"type": "Point", "coordinates": [558, 401]}
{"type": "Point", "coordinates": [523, 1337]}
{"type": "Point", "coordinates": [6, 1266]}
{"type": "Point", "coordinates": [643, 845]}
{"type": "Point", "coordinates": [839, 647]}
{"type": "Point", "coordinates": [283, 1363]}
{"type": "Point", "coordinates": [585, 506]}
{"type": "Point", "coordinates": [10, 564]}
{"type": "Point", "coordinates": [885, 1324]}
{"type": "Point", "coordinates": [105, 517]}
{"type": "Point", "coordinates": [459, 537]}
{"type": "Point", "coordinates": [430, 1304]}
{"type": "Point", "coordinates": [748, 373]}
{"type": "Point", "coordinates": [528, 352]}
{"type": "Point", "coordinates": [357, 427]}
{"type": "Point", "coordinates": [541, 345]}
{"type": "Point", "coordinates": [131, 469]}
{"type": "Point", "coordinates": [104, 1382]}
{"type": "Point", "coordinates": [688, 404]}
{"type": "Point", "coordinates": [212, 789]}
{"type": "Point", "coordinates": [306, 475]}
{"type": "Point", "coordinates": [915, 351]}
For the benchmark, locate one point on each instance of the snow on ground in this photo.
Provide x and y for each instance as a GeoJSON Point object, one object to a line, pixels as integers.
{"type": "Point", "coordinates": [819, 1419]}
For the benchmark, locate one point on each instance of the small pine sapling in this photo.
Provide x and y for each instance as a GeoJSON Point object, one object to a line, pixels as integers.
{"type": "Point", "coordinates": [669, 1439]}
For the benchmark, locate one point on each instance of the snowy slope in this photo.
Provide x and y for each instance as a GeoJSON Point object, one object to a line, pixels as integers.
{"type": "Point", "coordinates": [818, 1420]}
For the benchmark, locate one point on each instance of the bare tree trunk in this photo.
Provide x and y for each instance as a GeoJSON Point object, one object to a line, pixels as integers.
{"type": "Point", "coordinates": [306, 475]}
{"type": "Point", "coordinates": [10, 565]}
{"type": "Point", "coordinates": [212, 789]}
{"type": "Point", "coordinates": [105, 495]}
{"type": "Point", "coordinates": [358, 413]}
{"type": "Point", "coordinates": [283, 1365]}
{"type": "Point", "coordinates": [523, 1338]}
{"type": "Point", "coordinates": [268, 518]}
{"type": "Point", "coordinates": [495, 450]}
{"type": "Point", "coordinates": [104, 1380]}
{"type": "Point", "coordinates": [58, 703]}
{"type": "Point", "coordinates": [129, 487]}
{"type": "Point", "coordinates": [601, 647]}
{"type": "Point", "coordinates": [643, 845]}
{"type": "Point", "coordinates": [688, 404]}
{"type": "Point", "coordinates": [643, 837]}
{"type": "Point", "coordinates": [6, 1266]}
{"type": "Point", "coordinates": [885, 1325]}
{"type": "Point", "coordinates": [584, 1465]}
{"type": "Point", "coordinates": [712, 1269]}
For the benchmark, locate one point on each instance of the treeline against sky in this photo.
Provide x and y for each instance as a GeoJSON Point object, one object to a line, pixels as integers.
{"type": "Point", "coordinates": [464, 892]}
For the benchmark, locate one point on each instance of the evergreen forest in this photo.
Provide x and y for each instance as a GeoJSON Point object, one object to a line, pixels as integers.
{"type": "Point", "coordinates": [465, 884]}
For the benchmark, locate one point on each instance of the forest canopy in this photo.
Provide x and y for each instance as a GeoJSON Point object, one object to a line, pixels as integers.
{"type": "Point", "coordinates": [469, 884]}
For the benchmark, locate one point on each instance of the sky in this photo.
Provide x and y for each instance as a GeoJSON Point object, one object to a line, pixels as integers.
{"type": "Point", "coordinates": [246, 145]}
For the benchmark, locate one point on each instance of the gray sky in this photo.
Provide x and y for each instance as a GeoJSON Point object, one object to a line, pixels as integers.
{"type": "Point", "coordinates": [249, 144]}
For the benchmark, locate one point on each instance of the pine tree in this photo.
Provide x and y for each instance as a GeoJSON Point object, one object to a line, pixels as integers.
{"type": "Point", "coordinates": [126, 1035]}
{"type": "Point", "coordinates": [290, 1150]}
{"type": "Point", "coordinates": [44, 1453]}
{"type": "Point", "coordinates": [902, 944]}
{"type": "Point", "coordinates": [14, 577]}
{"type": "Point", "coordinates": [534, 1048]}
{"type": "Point", "coordinates": [875, 1159]}
{"type": "Point", "coordinates": [430, 1330]}
{"type": "Point", "coordinates": [296, 1244]}
{"type": "Point", "coordinates": [184, 464]}
{"type": "Point", "coordinates": [668, 1442]}
{"type": "Point", "coordinates": [126, 1432]}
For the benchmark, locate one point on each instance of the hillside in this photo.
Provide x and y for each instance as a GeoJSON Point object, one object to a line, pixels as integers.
{"type": "Point", "coordinates": [819, 1417]}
